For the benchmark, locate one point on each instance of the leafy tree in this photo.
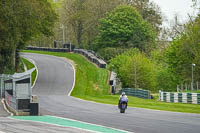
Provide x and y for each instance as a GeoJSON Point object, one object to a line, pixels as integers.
{"type": "Point", "coordinates": [124, 27]}
{"type": "Point", "coordinates": [20, 22]}
{"type": "Point", "coordinates": [135, 70]}
{"type": "Point", "coordinates": [149, 11]}
{"type": "Point", "coordinates": [80, 18]}
{"type": "Point", "coordinates": [183, 52]}
{"type": "Point", "coordinates": [165, 79]}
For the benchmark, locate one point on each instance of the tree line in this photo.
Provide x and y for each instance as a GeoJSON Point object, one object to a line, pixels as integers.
{"type": "Point", "coordinates": [126, 33]}
{"type": "Point", "coordinates": [20, 22]}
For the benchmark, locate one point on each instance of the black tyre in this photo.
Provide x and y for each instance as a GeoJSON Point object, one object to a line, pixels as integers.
{"type": "Point", "coordinates": [122, 110]}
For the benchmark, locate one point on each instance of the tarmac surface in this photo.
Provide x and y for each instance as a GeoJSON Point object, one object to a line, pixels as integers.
{"type": "Point", "coordinates": [8, 125]}
{"type": "Point", "coordinates": [55, 80]}
{"type": "Point", "coordinates": [3, 112]}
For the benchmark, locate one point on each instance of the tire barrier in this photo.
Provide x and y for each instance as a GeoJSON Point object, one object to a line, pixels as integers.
{"type": "Point", "coordinates": [145, 94]}
{"type": "Point", "coordinates": [90, 55]}
{"type": "Point", "coordinates": [191, 98]}
{"type": "Point", "coordinates": [48, 49]}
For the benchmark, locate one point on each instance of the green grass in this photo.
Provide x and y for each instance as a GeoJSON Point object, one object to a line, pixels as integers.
{"type": "Point", "coordinates": [190, 91]}
{"type": "Point", "coordinates": [90, 80]}
{"type": "Point", "coordinates": [29, 66]}
{"type": "Point", "coordinates": [91, 84]}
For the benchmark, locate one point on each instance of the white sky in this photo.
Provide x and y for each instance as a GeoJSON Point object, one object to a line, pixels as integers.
{"type": "Point", "coordinates": [171, 7]}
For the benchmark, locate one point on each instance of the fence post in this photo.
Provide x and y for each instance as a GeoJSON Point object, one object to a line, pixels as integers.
{"type": "Point", "coordinates": [177, 88]}
{"type": "Point", "coordinates": [1, 85]}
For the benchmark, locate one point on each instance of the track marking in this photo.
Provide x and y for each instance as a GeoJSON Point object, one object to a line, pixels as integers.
{"type": "Point", "coordinates": [65, 122]}
{"type": "Point", "coordinates": [52, 124]}
{"type": "Point", "coordinates": [69, 94]}
{"type": "Point", "coordinates": [92, 124]}
{"type": "Point", "coordinates": [3, 102]}
{"type": "Point", "coordinates": [33, 62]}
{"type": "Point", "coordinates": [74, 71]}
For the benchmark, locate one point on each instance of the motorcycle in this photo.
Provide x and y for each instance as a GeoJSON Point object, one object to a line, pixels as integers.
{"type": "Point", "coordinates": [123, 105]}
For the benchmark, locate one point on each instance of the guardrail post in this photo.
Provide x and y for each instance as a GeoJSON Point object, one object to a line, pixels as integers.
{"type": "Point", "coordinates": [1, 85]}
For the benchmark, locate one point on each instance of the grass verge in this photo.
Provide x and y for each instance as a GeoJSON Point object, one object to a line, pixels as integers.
{"type": "Point", "coordinates": [91, 84]}
{"type": "Point", "coordinates": [29, 66]}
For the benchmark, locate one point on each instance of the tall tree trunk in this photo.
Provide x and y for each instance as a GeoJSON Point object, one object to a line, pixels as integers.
{"type": "Point", "coordinates": [79, 33]}
{"type": "Point", "coordinates": [17, 60]}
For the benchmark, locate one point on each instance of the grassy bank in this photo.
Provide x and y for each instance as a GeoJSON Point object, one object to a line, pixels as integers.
{"type": "Point", "coordinates": [29, 66]}
{"type": "Point", "coordinates": [91, 84]}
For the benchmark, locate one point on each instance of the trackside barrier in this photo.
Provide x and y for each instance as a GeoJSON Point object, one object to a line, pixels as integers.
{"type": "Point", "coordinates": [113, 82]}
{"type": "Point", "coordinates": [4, 77]}
{"type": "Point", "coordinates": [17, 92]}
{"type": "Point", "coordinates": [48, 49]}
{"type": "Point", "coordinates": [90, 55]}
{"type": "Point", "coordinates": [191, 98]}
{"type": "Point", "coordinates": [145, 94]}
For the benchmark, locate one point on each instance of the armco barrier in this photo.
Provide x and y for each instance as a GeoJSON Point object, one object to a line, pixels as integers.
{"type": "Point", "coordinates": [192, 98]}
{"type": "Point", "coordinates": [48, 49]}
{"type": "Point", "coordinates": [90, 55]}
{"type": "Point", "coordinates": [137, 93]}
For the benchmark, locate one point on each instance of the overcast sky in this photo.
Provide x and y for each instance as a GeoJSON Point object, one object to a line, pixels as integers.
{"type": "Point", "coordinates": [172, 7]}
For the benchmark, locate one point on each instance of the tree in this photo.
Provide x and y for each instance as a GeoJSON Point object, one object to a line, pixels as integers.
{"type": "Point", "coordinates": [149, 11]}
{"type": "Point", "coordinates": [20, 22]}
{"type": "Point", "coordinates": [165, 79]}
{"type": "Point", "coordinates": [135, 70]}
{"type": "Point", "coordinates": [81, 19]}
{"type": "Point", "coordinates": [124, 27]}
{"type": "Point", "coordinates": [183, 52]}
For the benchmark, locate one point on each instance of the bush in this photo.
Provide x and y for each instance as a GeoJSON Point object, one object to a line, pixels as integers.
{"type": "Point", "coordinates": [135, 70]}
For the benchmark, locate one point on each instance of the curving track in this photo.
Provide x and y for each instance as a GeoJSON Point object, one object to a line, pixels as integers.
{"type": "Point", "coordinates": [55, 81]}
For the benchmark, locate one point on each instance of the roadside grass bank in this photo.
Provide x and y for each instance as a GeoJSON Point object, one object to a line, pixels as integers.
{"type": "Point", "coordinates": [90, 80]}
{"type": "Point", "coordinates": [190, 91]}
{"type": "Point", "coordinates": [29, 66]}
{"type": "Point", "coordinates": [91, 84]}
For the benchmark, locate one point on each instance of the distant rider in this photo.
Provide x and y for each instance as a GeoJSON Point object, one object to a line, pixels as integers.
{"type": "Point", "coordinates": [123, 96]}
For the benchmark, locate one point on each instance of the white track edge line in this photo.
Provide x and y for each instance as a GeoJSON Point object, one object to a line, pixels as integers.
{"type": "Point", "coordinates": [33, 62]}
{"type": "Point", "coordinates": [11, 114]}
{"type": "Point", "coordinates": [94, 101]}
{"type": "Point", "coordinates": [69, 94]}
{"type": "Point", "coordinates": [54, 124]}
{"type": "Point", "coordinates": [90, 123]}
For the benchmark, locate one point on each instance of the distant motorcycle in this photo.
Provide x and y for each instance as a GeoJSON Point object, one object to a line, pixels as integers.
{"type": "Point", "coordinates": [123, 105]}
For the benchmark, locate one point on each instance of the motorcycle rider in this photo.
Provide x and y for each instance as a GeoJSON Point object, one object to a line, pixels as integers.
{"type": "Point", "coordinates": [122, 96]}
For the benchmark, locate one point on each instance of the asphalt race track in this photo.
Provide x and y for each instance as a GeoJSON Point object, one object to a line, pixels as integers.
{"type": "Point", "coordinates": [55, 81]}
{"type": "Point", "coordinates": [8, 125]}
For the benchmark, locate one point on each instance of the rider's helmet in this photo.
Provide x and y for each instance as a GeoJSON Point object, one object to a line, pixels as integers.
{"type": "Point", "coordinates": [123, 93]}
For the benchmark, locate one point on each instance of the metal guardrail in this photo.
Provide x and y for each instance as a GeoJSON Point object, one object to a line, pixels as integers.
{"type": "Point", "coordinates": [11, 100]}
{"type": "Point", "coordinates": [90, 55]}
{"type": "Point", "coordinates": [3, 77]}
{"type": "Point", "coordinates": [192, 98]}
{"type": "Point", "coordinates": [137, 93]}
{"type": "Point", "coordinates": [48, 49]}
